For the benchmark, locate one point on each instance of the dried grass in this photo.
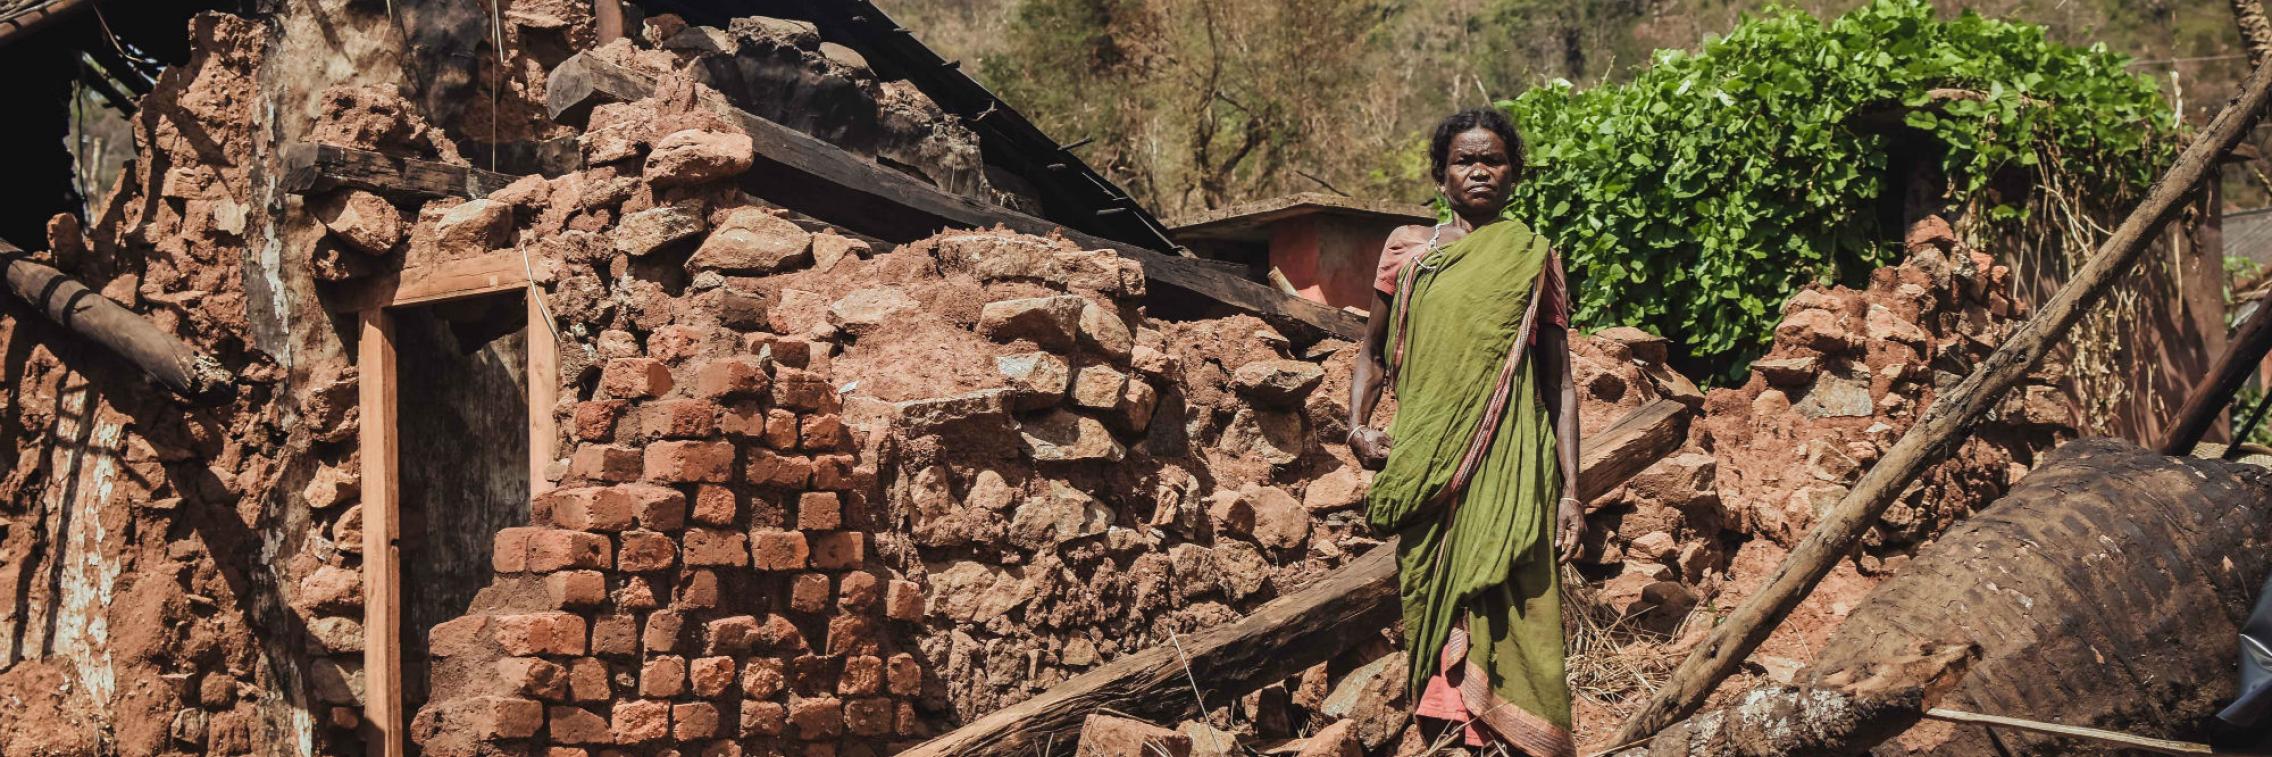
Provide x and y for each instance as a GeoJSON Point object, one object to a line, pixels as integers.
{"type": "Point", "coordinates": [1613, 662]}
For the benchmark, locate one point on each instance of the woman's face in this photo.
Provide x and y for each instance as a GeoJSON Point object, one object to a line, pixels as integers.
{"type": "Point", "coordinates": [1477, 174]}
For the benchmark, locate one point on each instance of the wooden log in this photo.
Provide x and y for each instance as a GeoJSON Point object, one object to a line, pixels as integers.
{"type": "Point", "coordinates": [810, 175]}
{"type": "Point", "coordinates": [314, 167]}
{"type": "Point", "coordinates": [2106, 588]}
{"type": "Point", "coordinates": [179, 368]}
{"type": "Point", "coordinates": [382, 532]}
{"type": "Point", "coordinates": [1281, 638]}
{"type": "Point", "coordinates": [1944, 424]}
{"type": "Point", "coordinates": [2206, 403]}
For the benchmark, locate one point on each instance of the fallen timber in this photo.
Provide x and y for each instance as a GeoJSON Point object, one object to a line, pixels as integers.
{"type": "Point", "coordinates": [179, 368]}
{"type": "Point", "coordinates": [1944, 424]}
{"type": "Point", "coordinates": [812, 176]}
{"type": "Point", "coordinates": [2105, 589]}
{"type": "Point", "coordinates": [1281, 638]}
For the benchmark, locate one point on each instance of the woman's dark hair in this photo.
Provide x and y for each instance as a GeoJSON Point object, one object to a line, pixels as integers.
{"type": "Point", "coordinates": [1487, 119]}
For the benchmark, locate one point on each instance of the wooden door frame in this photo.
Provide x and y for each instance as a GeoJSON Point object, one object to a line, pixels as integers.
{"type": "Point", "coordinates": [494, 273]}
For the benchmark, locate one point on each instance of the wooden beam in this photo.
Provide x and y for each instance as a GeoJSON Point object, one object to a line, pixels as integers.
{"type": "Point", "coordinates": [1281, 638]}
{"type": "Point", "coordinates": [2205, 405]}
{"type": "Point", "coordinates": [810, 175]}
{"type": "Point", "coordinates": [544, 392]}
{"type": "Point", "coordinates": [382, 593]}
{"type": "Point", "coordinates": [495, 272]}
{"type": "Point", "coordinates": [1944, 424]}
{"type": "Point", "coordinates": [171, 364]}
{"type": "Point", "coordinates": [320, 167]}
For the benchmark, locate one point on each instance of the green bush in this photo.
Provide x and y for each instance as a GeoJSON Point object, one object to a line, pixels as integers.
{"type": "Point", "coordinates": [1693, 200]}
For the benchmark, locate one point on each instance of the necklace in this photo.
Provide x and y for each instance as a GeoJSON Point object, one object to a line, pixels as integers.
{"type": "Point", "coordinates": [1433, 261]}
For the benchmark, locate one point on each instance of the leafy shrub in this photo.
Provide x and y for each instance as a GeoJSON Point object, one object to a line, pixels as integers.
{"type": "Point", "coordinates": [1694, 199]}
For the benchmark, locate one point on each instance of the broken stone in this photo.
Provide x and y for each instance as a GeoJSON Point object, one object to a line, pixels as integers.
{"type": "Point", "coordinates": [864, 310]}
{"type": "Point", "coordinates": [473, 228]}
{"type": "Point", "coordinates": [1279, 383]}
{"type": "Point", "coordinates": [1273, 436]}
{"type": "Point", "coordinates": [1815, 328]}
{"type": "Point", "coordinates": [1099, 387]}
{"type": "Point", "coordinates": [1050, 322]}
{"type": "Point", "coordinates": [694, 156]}
{"type": "Point", "coordinates": [1882, 324]}
{"type": "Point", "coordinates": [1103, 331]}
{"type": "Point", "coordinates": [1839, 392]}
{"type": "Point", "coordinates": [1061, 515]}
{"type": "Point", "coordinates": [752, 241]}
{"type": "Point", "coordinates": [1279, 521]}
{"type": "Point", "coordinates": [1644, 346]}
{"type": "Point", "coordinates": [1244, 568]}
{"type": "Point", "coordinates": [1336, 740]}
{"type": "Point", "coordinates": [1134, 412]}
{"type": "Point", "coordinates": [1340, 488]}
{"type": "Point", "coordinates": [974, 592]}
{"type": "Point", "coordinates": [985, 408]}
{"type": "Point", "coordinates": [1037, 379]}
{"type": "Point", "coordinates": [830, 248]}
{"type": "Point", "coordinates": [1789, 371]}
{"type": "Point", "coordinates": [1108, 736]}
{"type": "Point", "coordinates": [362, 221]}
{"type": "Point", "coordinates": [1064, 436]}
{"type": "Point", "coordinates": [1372, 698]}
{"type": "Point", "coordinates": [337, 635]}
{"type": "Point", "coordinates": [649, 230]}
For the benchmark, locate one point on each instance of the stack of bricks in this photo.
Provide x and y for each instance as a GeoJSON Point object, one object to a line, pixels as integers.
{"type": "Point", "coordinates": [704, 574]}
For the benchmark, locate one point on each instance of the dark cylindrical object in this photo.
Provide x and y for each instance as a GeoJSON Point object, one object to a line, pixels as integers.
{"type": "Point", "coordinates": [180, 368]}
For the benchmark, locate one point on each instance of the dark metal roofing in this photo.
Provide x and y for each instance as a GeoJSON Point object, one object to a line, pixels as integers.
{"type": "Point", "coordinates": [1072, 193]}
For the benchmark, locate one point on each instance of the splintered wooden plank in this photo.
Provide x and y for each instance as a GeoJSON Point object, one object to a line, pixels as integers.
{"type": "Point", "coordinates": [321, 167]}
{"type": "Point", "coordinates": [812, 176]}
{"type": "Point", "coordinates": [448, 280]}
{"type": "Point", "coordinates": [382, 592]}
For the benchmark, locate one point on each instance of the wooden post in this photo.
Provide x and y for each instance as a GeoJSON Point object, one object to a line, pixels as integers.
{"type": "Point", "coordinates": [382, 594]}
{"type": "Point", "coordinates": [1944, 424]}
{"type": "Point", "coordinates": [544, 392]}
{"type": "Point", "coordinates": [171, 364]}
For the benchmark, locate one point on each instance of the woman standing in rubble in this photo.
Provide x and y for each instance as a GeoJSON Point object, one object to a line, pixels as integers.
{"type": "Point", "coordinates": [1470, 326]}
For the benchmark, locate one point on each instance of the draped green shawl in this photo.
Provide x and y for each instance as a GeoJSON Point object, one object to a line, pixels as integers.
{"type": "Point", "coordinates": [1476, 556]}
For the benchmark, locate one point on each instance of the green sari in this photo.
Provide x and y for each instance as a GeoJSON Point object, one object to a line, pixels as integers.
{"type": "Point", "coordinates": [1471, 483]}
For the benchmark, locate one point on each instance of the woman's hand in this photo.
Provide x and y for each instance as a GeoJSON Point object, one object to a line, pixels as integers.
{"type": "Point", "coordinates": [1570, 528]}
{"type": "Point", "coordinates": [1370, 445]}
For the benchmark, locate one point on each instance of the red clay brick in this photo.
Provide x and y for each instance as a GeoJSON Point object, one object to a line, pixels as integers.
{"type": "Point", "coordinates": [605, 462]}
{"type": "Point", "coordinates": [554, 549]}
{"type": "Point", "coordinates": [500, 717]}
{"type": "Point", "coordinates": [576, 725]}
{"type": "Point", "coordinates": [509, 549]}
{"type": "Point", "coordinates": [458, 636]}
{"type": "Point", "coordinates": [714, 547]}
{"type": "Point", "coordinates": [665, 631]}
{"type": "Point", "coordinates": [819, 511]}
{"type": "Point", "coordinates": [787, 350]}
{"type": "Point", "coordinates": [635, 378]}
{"type": "Point", "coordinates": [835, 473]}
{"type": "Point", "coordinates": [781, 429]}
{"type": "Point", "coordinates": [694, 720]}
{"type": "Point", "coordinates": [813, 675]}
{"type": "Point", "coordinates": [540, 633]}
{"type": "Point", "coordinates": [852, 634]}
{"type": "Point", "coordinates": [676, 342]}
{"type": "Point", "coordinates": [583, 508]}
{"type": "Point", "coordinates": [863, 675]}
{"type": "Point", "coordinates": [684, 461]}
{"type": "Point", "coordinates": [763, 677]}
{"type": "Point", "coordinates": [588, 680]}
{"type": "Point", "coordinates": [641, 721]}
{"type": "Point", "coordinates": [576, 588]}
{"type": "Point", "coordinates": [698, 590]}
{"type": "Point", "coordinates": [568, 751]}
{"type": "Point", "coordinates": [663, 676]}
{"type": "Point", "coordinates": [594, 420]}
{"type": "Point", "coordinates": [821, 431]}
{"type": "Point", "coordinates": [533, 677]}
{"type": "Point", "coordinates": [774, 469]}
{"type": "Point", "coordinates": [714, 505]}
{"type": "Point", "coordinates": [816, 718]}
{"type": "Point", "coordinates": [743, 419]}
{"type": "Point", "coordinates": [808, 592]}
{"type": "Point", "coordinates": [870, 717]}
{"type": "Point", "coordinates": [802, 390]}
{"type": "Point", "coordinates": [710, 676]}
{"type": "Point", "coordinates": [734, 635]}
{"type": "Point", "coordinates": [859, 592]}
{"type": "Point", "coordinates": [735, 376]}
{"type": "Point", "coordinates": [763, 718]}
{"type": "Point", "coordinates": [644, 551]}
{"type": "Point", "coordinates": [839, 550]}
{"type": "Point", "coordinates": [767, 512]}
{"type": "Point", "coordinates": [615, 634]}
{"type": "Point", "coordinates": [903, 600]}
{"type": "Point", "coordinates": [907, 723]}
{"type": "Point", "coordinates": [635, 593]}
{"type": "Point", "coordinates": [780, 635]}
{"type": "Point", "coordinates": [657, 508]}
{"type": "Point", "coordinates": [777, 550]}
{"type": "Point", "coordinates": [905, 675]}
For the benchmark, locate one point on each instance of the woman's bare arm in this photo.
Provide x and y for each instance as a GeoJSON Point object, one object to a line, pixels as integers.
{"type": "Point", "coordinates": [1365, 378]}
{"type": "Point", "coordinates": [1560, 390]}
